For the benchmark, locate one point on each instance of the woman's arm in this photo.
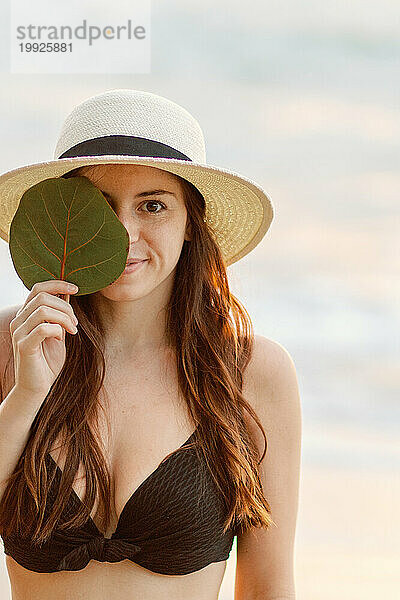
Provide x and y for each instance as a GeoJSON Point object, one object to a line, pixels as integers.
{"type": "Point", "coordinates": [265, 558]}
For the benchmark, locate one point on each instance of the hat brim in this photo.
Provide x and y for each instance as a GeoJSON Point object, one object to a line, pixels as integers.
{"type": "Point", "coordinates": [238, 211]}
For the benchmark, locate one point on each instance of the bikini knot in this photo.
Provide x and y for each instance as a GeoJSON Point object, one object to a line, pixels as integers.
{"type": "Point", "coordinates": [98, 548]}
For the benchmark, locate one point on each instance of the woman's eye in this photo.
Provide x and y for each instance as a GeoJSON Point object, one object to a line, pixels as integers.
{"type": "Point", "coordinates": [154, 202]}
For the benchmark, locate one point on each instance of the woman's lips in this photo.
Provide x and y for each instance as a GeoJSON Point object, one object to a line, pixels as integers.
{"type": "Point", "coordinates": [134, 266]}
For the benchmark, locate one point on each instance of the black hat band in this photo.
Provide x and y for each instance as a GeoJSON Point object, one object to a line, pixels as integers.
{"type": "Point", "coordinates": [124, 145]}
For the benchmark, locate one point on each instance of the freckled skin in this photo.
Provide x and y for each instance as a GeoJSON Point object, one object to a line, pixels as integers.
{"type": "Point", "coordinates": [157, 227]}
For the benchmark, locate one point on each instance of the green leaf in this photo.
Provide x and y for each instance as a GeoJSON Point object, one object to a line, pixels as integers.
{"type": "Point", "coordinates": [65, 229]}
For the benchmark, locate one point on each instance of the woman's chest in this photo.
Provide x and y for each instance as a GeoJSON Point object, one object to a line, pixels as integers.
{"type": "Point", "coordinates": [141, 421]}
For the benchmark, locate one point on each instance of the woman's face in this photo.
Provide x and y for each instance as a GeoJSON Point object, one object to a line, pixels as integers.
{"type": "Point", "coordinates": [149, 203]}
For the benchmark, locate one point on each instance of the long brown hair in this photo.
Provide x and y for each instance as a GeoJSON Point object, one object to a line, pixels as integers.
{"type": "Point", "coordinates": [212, 336]}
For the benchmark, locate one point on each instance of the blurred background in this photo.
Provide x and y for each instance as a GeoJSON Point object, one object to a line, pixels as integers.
{"type": "Point", "coordinates": [304, 99]}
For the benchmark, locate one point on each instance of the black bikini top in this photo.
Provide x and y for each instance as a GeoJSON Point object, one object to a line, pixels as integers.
{"type": "Point", "coordinates": [172, 524]}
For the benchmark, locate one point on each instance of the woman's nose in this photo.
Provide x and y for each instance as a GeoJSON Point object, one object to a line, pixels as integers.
{"type": "Point", "coordinates": [132, 225]}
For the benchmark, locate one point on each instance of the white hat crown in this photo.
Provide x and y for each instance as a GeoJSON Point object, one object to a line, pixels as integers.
{"type": "Point", "coordinates": [137, 114]}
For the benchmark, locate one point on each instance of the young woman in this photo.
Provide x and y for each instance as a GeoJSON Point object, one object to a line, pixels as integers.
{"type": "Point", "coordinates": [134, 449]}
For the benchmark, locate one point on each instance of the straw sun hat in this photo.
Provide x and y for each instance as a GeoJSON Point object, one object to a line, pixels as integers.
{"type": "Point", "coordinates": [129, 126]}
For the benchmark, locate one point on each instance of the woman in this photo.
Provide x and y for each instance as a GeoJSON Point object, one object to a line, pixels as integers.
{"type": "Point", "coordinates": [160, 403]}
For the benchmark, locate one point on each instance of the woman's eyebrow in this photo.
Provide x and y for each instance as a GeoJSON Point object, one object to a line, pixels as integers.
{"type": "Point", "coordinates": [143, 194]}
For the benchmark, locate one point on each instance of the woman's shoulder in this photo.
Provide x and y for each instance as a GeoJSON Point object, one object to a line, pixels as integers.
{"type": "Point", "coordinates": [7, 313]}
{"type": "Point", "coordinates": [269, 360]}
{"type": "Point", "coordinates": [270, 386]}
